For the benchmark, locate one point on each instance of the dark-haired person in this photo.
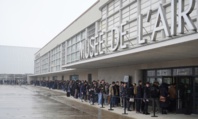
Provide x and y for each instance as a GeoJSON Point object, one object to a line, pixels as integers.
{"type": "Point", "coordinates": [139, 97]}
{"type": "Point", "coordinates": [125, 97]}
{"type": "Point", "coordinates": [112, 94]}
{"type": "Point", "coordinates": [164, 97]}
{"type": "Point", "coordinates": [146, 98]}
{"type": "Point", "coordinates": [117, 93]}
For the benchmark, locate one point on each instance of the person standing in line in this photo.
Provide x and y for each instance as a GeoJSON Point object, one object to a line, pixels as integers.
{"type": "Point", "coordinates": [121, 88]}
{"type": "Point", "coordinates": [117, 92]}
{"type": "Point", "coordinates": [154, 93]}
{"type": "Point", "coordinates": [139, 97]}
{"type": "Point", "coordinates": [106, 93]}
{"type": "Point", "coordinates": [130, 95]}
{"type": "Point", "coordinates": [135, 93]}
{"type": "Point", "coordinates": [112, 94]}
{"type": "Point", "coordinates": [146, 98]}
{"type": "Point", "coordinates": [164, 97]}
{"type": "Point", "coordinates": [172, 97]}
{"type": "Point", "coordinates": [125, 97]}
{"type": "Point", "coordinates": [82, 91]}
{"type": "Point", "coordinates": [101, 88]}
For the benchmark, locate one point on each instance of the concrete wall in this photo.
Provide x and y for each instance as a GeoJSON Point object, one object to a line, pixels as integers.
{"type": "Point", "coordinates": [83, 75]}
{"type": "Point", "coordinates": [118, 73]}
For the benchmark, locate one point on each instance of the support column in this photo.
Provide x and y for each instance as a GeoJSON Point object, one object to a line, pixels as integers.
{"type": "Point", "coordinates": [138, 75]}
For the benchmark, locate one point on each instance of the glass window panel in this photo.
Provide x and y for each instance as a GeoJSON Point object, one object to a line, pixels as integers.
{"type": "Point", "coordinates": [196, 71]}
{"type": "Point", "coordinates": [73, 48]}
{"type": "Point", "coordinates": [151, 73]}
{"type": "Point", "coordinates": [78, 47]}
{"type": "Point", "coordinates": [182, 72]}
{"type": "Point", "coordinates": [164, 72]}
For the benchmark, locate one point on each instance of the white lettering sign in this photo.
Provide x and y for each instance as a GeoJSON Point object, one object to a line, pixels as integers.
{"type": "Point", "coordinates": [97, 46]}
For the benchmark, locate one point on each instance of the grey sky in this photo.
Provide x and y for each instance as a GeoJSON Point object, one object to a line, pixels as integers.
{"type": "Point", "coordinates": [33, 23]}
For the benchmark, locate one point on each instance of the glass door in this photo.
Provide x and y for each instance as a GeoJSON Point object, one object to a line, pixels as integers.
{"type": "Point", "coordinates": [184, 88]}
{"type": "Point", "coordinates": [168, 80]}
{"type": "Point", "coordinates": [195, 109]}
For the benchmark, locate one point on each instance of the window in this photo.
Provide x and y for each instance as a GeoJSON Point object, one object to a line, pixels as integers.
{"type": "Point", "coordinates": [73, 47]}
{"type": "Point", "coordinates": [56, 58]}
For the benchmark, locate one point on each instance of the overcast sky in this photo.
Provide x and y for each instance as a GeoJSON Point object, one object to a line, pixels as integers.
{"type": "Point", "coordinates": [33, 23]}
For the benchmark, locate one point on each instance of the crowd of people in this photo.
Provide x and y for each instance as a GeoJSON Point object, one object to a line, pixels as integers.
{"type": "Point", "coordinates": [132, 97]}
{"type": "Point", "coordinates": [13, 82]}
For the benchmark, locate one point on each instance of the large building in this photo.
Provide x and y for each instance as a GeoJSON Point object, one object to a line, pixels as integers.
{"type": "Point", "coordinates": [149, 40]}
{"type": "Point", "coordinates": [16, 63]}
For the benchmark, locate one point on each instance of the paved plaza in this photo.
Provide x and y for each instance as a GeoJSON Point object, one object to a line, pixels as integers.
{"type": "Point", "coordinates": [29, 102]}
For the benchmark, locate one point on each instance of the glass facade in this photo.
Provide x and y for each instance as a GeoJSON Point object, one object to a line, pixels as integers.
{"type": "Point", "coordinates": [37, 68]}
{"type": "Point", "coordinates": [196, 95]}
{"type": "Point", "coordinates": [113, 15]}
{"type": "Point", "coordinates": [45, 63]}
{"type": "Point", "coordinates": [73, 47]}
{"type": "Point", "coordinates": [186, 80]}
{"type": "Point", "coordinates": [64, 53]}
{"type": "Point", "coordinates": [55, 59]}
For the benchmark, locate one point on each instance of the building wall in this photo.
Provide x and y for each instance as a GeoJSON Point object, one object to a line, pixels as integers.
{"type": "Point", "coordinates": [17, 60]}
{"type": "Point", "coordinates": [83, 75]}
{"type": "Point", "coordinates": [118, 73]}
{"type": "Point", "coordinates": [88, 18]}
{"type": "Point", "coordinates": [113, 14]}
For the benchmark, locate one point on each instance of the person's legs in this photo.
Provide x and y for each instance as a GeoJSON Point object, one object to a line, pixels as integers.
{"type": "Point", "coordinates": [105, 99]}
{"type": "Point", "coordinates": [138, 105]}
{"type": "Point", "coordinates": [124, 103]}
{"type": "Point", "coordinates": [133, 104]}
{"type": "Point", "coordinates": [113, 101]}
{"type": "Point", "coordinates": [99, 98]}
{"type": "Point", "coordinates": [128, 105]}
{"type": "Point", "coordinates": [142, 106]}
{"type": "Point", "coordinates": [145, 108]}
{"type": "Point", "coordinates": [121, 102]}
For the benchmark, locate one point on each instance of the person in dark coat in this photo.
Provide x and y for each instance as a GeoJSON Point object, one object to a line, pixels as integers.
{"type": "Point", "coordinates": [164, 103]}
{"type": "Point", "coordinates": [125, 96]}
{"type": "Point", "coordinates": [83, 91]}
{"type": "Point", "coordinates": [117, 91]}
{"type": "Point", "coordinates": [154, 93]}
{"type": "Point", "coordinates": [139, 97]}
{"type": "Point", "coordinates": [146, 98]}
{"type": "Point", "coordinates": [131, 95]}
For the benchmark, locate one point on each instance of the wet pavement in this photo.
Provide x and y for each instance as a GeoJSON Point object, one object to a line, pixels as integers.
{"type": "Point", "coordinates": [28, 102]}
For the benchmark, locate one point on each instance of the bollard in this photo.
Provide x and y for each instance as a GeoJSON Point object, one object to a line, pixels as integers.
{"type": "Point", "coordinates": [102, 101]}
{"type": "Point", "coordinates": [154, 108]}
{"type": "Point", "coordinates": [125, 106]}
{"type": "Point", "coordinates": [110, 109]}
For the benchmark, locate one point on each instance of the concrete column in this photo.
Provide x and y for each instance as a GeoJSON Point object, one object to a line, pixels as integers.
{"type": "Point", "coordinates": [137, 76]}
{"type": "Point", "coordinates": [59, 77]}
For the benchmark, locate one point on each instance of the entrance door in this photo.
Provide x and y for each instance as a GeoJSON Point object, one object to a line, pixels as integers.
{"type": "Point", "coordinates": [195, 104]}
{"type": "Point", "coordinates": [184, 88]}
